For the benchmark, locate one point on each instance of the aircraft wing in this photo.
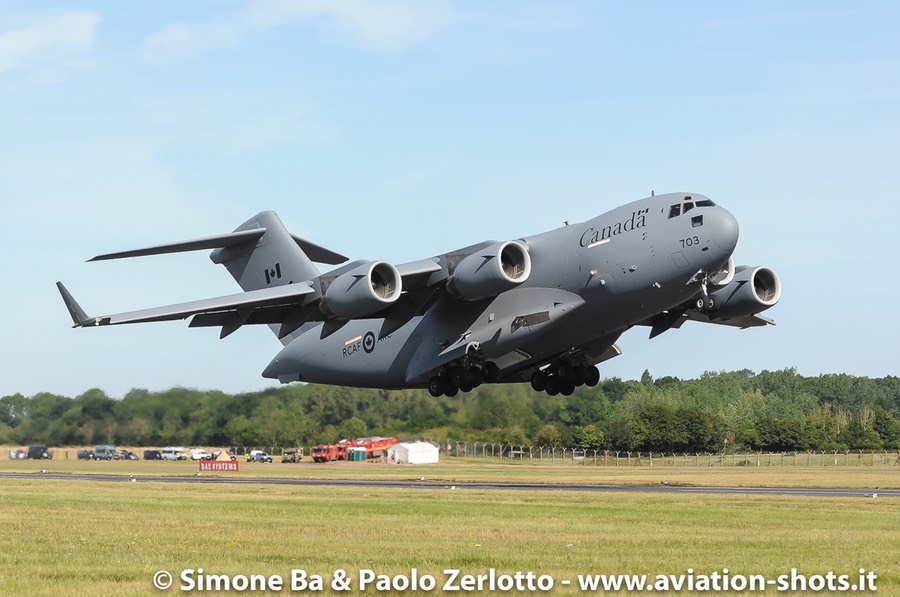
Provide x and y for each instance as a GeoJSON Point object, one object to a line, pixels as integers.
{"type": "Point", "coordinates": [244, 304]}
{"type": "Point", "coordinates": [675, 318]}
{"type": "Point", "coordinates": [418, 274]}
{"type": "Point", "coordinates": [747, 321]}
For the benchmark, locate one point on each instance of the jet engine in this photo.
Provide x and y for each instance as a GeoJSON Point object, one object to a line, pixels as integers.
{"type": "Point", "coordinates": [362, 291]}
{"type": "Point", "coordinates": [751, 291]}
{"type": "Point", "coordinates": [495, 269]}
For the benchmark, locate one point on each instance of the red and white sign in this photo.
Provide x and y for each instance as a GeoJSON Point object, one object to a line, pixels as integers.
{"type": "Point", "coordinates": [220, 466]}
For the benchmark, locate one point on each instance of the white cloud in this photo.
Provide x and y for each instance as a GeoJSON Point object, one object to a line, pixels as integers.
{"type": "Point", "coordinates": [55, 36]}
{"type": "Point", "coordinates": [383, 24]}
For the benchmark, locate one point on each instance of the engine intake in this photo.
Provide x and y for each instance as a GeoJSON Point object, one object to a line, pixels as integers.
{"type": "Point", "coordinates": [495, 269]}
{"type": "Point", "coordinates": [362, 291]}
{"type": "Point", "coordinates": [753, 290]}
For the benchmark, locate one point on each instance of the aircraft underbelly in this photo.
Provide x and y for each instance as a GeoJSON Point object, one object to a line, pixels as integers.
{"type": "Point", "coordinates": [353, 355]}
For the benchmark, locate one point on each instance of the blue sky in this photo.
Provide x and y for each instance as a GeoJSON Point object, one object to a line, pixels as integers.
{"type": "Point", "coordinates": [402, 129]}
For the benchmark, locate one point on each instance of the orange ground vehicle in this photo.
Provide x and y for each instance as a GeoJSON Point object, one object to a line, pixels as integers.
{"type": "Point", "coordinates": [375, 448]}
{"type": "Point", "coordinates": [323, 453]}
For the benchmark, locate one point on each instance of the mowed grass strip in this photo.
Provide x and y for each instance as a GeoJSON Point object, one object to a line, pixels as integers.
{"type": "Point", "coordinates": [461, 470]}
{"type": "Point", "coordinates": [81, 538]}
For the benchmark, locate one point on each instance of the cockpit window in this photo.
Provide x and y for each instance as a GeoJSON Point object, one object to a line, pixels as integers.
{"type": "Point", "coordinates": [679, 208]}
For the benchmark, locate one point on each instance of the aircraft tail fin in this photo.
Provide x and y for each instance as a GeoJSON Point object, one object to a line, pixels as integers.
{"type": "Point", "coordinates": [275, 258]}
{"type": "Point", "coordinates": [260, 254]}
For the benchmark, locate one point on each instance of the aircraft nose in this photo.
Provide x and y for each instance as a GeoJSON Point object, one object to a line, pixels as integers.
{"type": "Point", "coordinates": [725, 231]}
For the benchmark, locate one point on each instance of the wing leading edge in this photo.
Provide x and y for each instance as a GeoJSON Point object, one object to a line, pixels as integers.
{"type": "Point", "coordinates": [245, 301]}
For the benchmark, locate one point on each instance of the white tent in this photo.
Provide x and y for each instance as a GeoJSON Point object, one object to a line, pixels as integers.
{"type": "Point", "coordinates": [413, 453]}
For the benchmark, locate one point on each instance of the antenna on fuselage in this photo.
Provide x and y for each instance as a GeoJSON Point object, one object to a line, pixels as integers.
{"type": "Point", "coordinates": [652, 193]}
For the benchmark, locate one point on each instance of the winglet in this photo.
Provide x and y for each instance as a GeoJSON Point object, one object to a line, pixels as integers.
{"type": "Point", "coordinates": [78, 315]}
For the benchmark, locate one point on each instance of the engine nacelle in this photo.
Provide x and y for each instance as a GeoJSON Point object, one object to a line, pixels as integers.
{"type": "Point", "coordinates": [495, 269]}
{"type": "Point", "coordinates": [363, 291]}
{"type": "Point", "coordinates": [753, 290]}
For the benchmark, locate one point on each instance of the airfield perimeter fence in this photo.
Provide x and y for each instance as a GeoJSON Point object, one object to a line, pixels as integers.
{"type": "Point", "coordinates": [498, 452]}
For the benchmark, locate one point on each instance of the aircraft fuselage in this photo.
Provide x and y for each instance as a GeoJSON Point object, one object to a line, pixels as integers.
{"type": "Point", "coordinates": [589, 283]}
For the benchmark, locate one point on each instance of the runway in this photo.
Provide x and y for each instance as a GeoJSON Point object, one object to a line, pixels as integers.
{"type": "Point", "coordinates": [463, 486]}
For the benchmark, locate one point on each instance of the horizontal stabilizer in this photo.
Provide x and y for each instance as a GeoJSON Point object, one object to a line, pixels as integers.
{"type": "Point", "coordinates": [318, 253]}
{"type": "Point", "coordinates": [198, 244]}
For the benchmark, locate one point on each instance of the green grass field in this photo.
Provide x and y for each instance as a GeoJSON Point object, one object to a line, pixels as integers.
{"type": "Point", "coordinates": [97, 538]}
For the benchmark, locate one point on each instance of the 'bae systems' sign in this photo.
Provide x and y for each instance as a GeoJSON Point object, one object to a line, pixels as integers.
{"type": "Point", "coordinates": [220, 466]}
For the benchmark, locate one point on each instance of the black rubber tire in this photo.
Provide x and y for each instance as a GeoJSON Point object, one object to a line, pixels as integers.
{"type": "Point", "coordinates": [578, 372]}
{"type": "Point", "coordinates": [476, 376]}
{"type": "Point", "coordinates": [592, 377]}
{"type": "Point", "coordinates": [538, 381]}
{"type": "Point", "coordinates": [564, 369]}
{"type": "Point", "coordinates": [553, 385]}
{"type": "Point", "coordinates": [436, 386]}
{"type": "Point", "coordinates": [491, 372]}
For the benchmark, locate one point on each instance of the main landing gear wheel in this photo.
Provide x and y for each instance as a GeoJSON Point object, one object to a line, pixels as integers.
{"type": "Point", "coordinates": [539, 381]}
{"type": "Point", "coordinates": [436, 386]}
{"type": "Point", "coordinates": [553, 385]}
{"type": "Point", "coordinates": [461, 378]}
{"type": "Point", "coordinates": [563, 377]}
{"type": "Point", "coordinates": [491, 372]}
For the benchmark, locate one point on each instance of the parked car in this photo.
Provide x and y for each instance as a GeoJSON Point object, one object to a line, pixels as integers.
{"type": "Point", "coordinates": [86, 455]}
{"type": "Point", "coordinates": [231, 455]}
{"type": "Point", "coordinates": [105, 452]}
{"type": "Point", "coordinates": [152, 455]}
{"type": "Point", "coordinates": [291, 454]}
{"type": "Point", "coordinates": [127, 455]}
{"type": "Point", "coordinates": [200, 454]}
{"type": "Point", "coordinates": [172, 453]}
{"type": "Point", "coordinates": [17, 454]}
{"type": "Point", "coordinates": [258, 456]}
{"type": "Point", "coordinates": [39, 453]}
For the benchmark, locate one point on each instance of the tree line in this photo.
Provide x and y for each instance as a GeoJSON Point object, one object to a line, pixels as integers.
{"type": "Point", "coordinates": [740, 410]}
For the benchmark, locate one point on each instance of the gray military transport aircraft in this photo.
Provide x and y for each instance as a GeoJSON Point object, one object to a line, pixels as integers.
{"type": "Point", "coordinates": [544, 308]}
